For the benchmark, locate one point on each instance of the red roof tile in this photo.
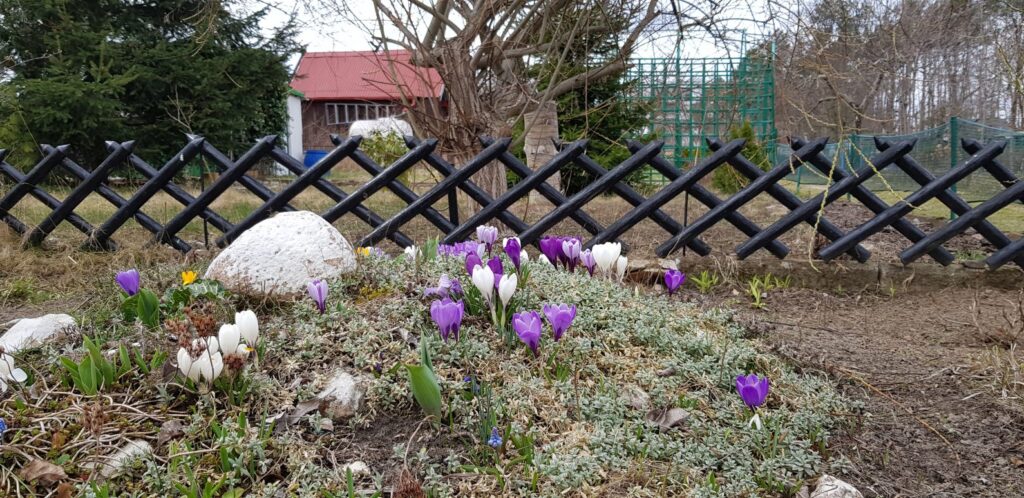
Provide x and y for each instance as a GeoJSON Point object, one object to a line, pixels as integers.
{"type": "Point", "coordinates": [364, 76]}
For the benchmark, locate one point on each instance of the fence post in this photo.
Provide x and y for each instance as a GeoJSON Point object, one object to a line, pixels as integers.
{"type": "Point", "coordinates": [954, 145]}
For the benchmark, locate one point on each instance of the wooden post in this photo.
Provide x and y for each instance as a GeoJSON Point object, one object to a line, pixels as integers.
{"type": "Point", "coordinates": [541, 135]}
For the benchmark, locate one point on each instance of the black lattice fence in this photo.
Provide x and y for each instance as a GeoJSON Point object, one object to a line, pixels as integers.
{"type": "Point", "coordinates": [805, 154]}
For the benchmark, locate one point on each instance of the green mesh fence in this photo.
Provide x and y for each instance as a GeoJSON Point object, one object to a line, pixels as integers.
{"type": "Point", "coordinates": [692, 99]}
{"type": "Point", "coordinates": [932, 151]}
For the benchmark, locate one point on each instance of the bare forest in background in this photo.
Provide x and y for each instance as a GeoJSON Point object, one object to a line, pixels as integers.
{"type": "Point", "coordinates": [895, 67]}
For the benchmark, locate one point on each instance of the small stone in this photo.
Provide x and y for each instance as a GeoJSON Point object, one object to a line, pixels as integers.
{"type": "Point", "coordinates": [357, 468]}
{"type": "Point", "coordinates": [343, 396]}
{"type": "Point", "coordinates": [636, 398]}
{"type": "Point", "coordinates": [116, 463]}
{"type": "Point", "coordinates": [668, 419]}
{"type": "Point", "coordinates": [279, 256]}
{"type": "Point", "coordinates": [974, 264]}
{"type": "Point", "coordinates": [31, 332]}
{"type": "Point", "coordinates": [830, 487]}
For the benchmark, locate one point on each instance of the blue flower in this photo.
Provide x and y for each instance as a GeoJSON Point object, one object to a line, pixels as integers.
{"type": "Point", "coordinates": [3, 427]}
{"type": "Point", "coordinates": [495, 440]}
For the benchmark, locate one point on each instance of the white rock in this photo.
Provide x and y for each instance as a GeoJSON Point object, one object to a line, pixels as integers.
{"type": "Point", "coordinates": [357, 468]}
{"type": "Point", "coordinates": [30, 332]}
{"type": "Point", "coordinates": [830, 487]}
{"type": "Point", "coordinates": [115, 463]}
{"type": "Point", "coordinates": [280, 255]}
{"type": "Point", "coordinates": [343, 396]}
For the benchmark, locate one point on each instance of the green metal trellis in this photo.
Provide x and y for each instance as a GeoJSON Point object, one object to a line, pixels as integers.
{"type": "Point", "coordinates": [705, 97]}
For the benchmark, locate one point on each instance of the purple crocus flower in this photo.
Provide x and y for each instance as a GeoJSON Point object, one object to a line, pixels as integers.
{"type": "Point", "coordinates": [560, 317]}
{"type": "Point", "coordinates": [552, 249]}
{"type": "Point", "coordinates": [318, 291]}
{"type": "Point", "coordinates": [495, 265]}
{"type": "Point", "coordinates": [752, 390]}
{"type": "Point", "coordinates": [528, 326]}
{"type": "Point", "coordinates": [673, 279]}
{"type": "Point", "coordinates": [456, 288]}
{"type": "Point", "coordinates": [129, 281]}
{"type": "Point", "coordinates": [588, 260]}
{"type": "Point", "coordinates": [447, 314]}
{"type": "Point", "coordinates": [514, 250]}
{"type": "Point", "coordinates": [487, 235]}
{"type": "Point", "coordinates": [444, 285]}
{"type": "Point", "coordinates": [472, 261]}
{"type": "Point", "coordinates": [571, 252]}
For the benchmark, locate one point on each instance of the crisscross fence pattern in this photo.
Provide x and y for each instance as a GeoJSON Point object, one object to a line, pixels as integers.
{"type": "Point", "coordinates": [686, 181]}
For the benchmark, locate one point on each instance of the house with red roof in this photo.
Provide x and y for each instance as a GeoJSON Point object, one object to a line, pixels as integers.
{"type": "Point", "coordinates": [339, 88]}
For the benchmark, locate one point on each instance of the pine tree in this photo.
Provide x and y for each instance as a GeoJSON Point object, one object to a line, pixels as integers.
{"type": "Point", "coordinates": [84, 72]}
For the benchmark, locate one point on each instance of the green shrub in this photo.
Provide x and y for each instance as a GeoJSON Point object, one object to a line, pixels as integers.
{"type": "Point", "coordinates": [729, 181]}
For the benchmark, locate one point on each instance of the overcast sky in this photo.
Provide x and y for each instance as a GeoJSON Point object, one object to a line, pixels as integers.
{"type": "Point", "coordinates": [319, 32]}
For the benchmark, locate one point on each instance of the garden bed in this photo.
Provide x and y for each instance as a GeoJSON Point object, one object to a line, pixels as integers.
{"type": "Point", "coordinates": [583, 416]}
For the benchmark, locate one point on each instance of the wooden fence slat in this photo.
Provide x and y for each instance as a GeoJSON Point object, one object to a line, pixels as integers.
{"type": "Point", "coordinates": [918, 198]}
{"type": "Point", "coordinates": [369, 217]}
{"type": "Point", "coordinates": [873, 203]}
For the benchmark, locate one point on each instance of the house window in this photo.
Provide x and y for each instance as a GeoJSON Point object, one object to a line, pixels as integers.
{"type": "Point", "coordinates": [341, 114]}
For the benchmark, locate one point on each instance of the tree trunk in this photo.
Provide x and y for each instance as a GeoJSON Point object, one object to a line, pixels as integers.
{"type": "Point", "coordinates": [541, 134]}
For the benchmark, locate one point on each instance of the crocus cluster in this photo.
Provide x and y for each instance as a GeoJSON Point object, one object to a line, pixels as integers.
{"type": "Point", "coordinates": [318, 291]}
{"type": "Point", "coordinates": [461, 249]}
{"type": "Point", "coordinates": [528, 324]}
{"type": "Point", "coordinates": [9, 373]}
{"type": "Point", "coordinates": [561, 250]}
{"type": "Point", "coordinates": [673, 280]}
{"type": "Point", "coordinates": [204, 359]}
{"type": "Point", "coordinates": [608, 257]}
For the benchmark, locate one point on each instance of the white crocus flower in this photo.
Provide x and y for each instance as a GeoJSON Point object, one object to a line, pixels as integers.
{"type": "Point", "coordinates": [524, 257]}
{"type": "Point", "coordinates": [756, 422]}
{"type": "Point", "coordinates": [543, 259]}
{"type": "Point", "coordinates": [207, 367]}
{"type": "Point", "coordinates": [620, 266]}
{"type": "Point", "coordinates": [483, 279]}
{"type": "Point", "coordinates": [248, 326]}
{"type": "Point", "coordinates": [9, 373]}
{"type": "Point", "coordinates": [410, 252]}
{"type": "Point", "coordinates": [481, 248]}
{"type": "Point", "coordinates": [507, 287]}
{"type": "Point", "coordinates": [230, 338]}
{"type": "Point", "coordinates": [605, 255]}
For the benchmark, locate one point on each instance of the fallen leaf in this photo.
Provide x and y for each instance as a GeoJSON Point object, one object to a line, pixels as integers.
{"type": "Point", "coordinates": [44, 472]}
{"type": "Point", "coordinates": [301, 410]}
{"type": "Point", "coordinates": [169, 430]}
{"type": "Point", "coordinates": [669, 418]}
{"type": "Point", "coordinates": [65, 490]}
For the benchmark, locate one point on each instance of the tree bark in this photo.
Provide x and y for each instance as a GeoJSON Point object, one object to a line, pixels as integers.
{"type": "Point", "coordinates": [541, 135]}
